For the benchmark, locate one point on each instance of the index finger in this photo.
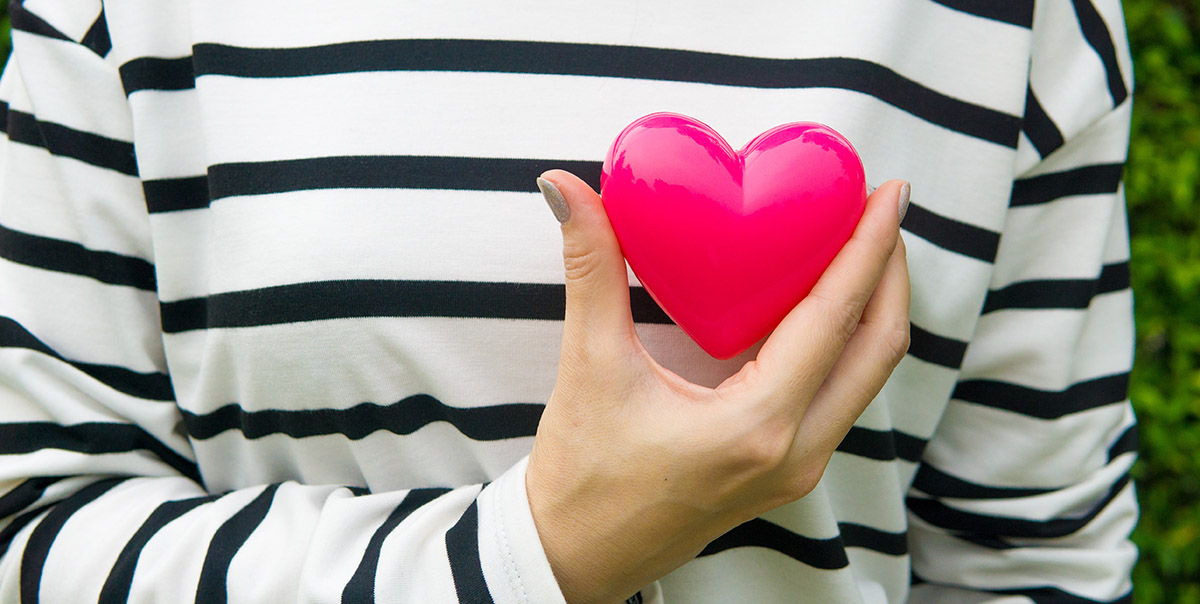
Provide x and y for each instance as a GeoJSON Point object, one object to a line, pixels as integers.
{"type": "Point", "coordinates": [802, 350]}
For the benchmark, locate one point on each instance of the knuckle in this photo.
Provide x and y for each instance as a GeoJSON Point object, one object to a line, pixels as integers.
{"type": "Point", "coordinates": [878, 244]}
{"type": "Point", "coordinates": [764, 450]}
{"type": "Point", "coordinates": [580, 261]}
{"type": "Point", "coordinates": [806, 480]}
{"type": "Point", "coordinates": [844, 313]}
{"type": "Point", "coordinates": [895, 342]}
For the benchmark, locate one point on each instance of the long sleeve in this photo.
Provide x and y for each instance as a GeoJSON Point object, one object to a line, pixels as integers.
{"type": "Point", "coordinates": [1023, 494]}
{"type": "Point", "coordinates": [101, 495]}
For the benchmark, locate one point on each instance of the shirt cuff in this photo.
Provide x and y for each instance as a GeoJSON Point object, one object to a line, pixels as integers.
{"type": "Point", "coordinates": [510, 551]}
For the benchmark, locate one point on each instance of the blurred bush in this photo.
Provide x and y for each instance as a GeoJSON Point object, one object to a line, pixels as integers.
{"type": "Point", "coordinates": [1162, 182]}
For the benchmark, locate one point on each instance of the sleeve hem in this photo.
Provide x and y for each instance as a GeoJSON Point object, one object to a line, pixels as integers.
{"type": "Point", "coordinates": [520, 571]}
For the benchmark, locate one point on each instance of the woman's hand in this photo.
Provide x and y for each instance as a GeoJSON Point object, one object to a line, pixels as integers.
{"type": "Point", "coordinates": [634, 470]}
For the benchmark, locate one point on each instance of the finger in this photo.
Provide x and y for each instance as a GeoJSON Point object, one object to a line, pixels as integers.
{"type": "Point", "coordinates": [867, 361]}
{"type": "Point", "coordinates": [597, 286]}
{"type": "Point", "coordinates": [803, 348]}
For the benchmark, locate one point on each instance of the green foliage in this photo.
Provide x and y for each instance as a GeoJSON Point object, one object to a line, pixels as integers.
{"type": "Point", "coordinates": [5, 37]}
{"type": "Point", "coordinates": [5, 41]}
{"type": "Point", "coordinates": [1162, 182]}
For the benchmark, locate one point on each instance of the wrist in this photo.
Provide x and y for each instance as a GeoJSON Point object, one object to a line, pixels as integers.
{"type": "Point", "coordinates": [607, 539]}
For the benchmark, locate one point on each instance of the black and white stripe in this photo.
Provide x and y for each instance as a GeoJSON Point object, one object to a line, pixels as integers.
{"type": "Point", "coordinates": [225, 544]}
{"type": "Point", "coordinates": [117, 585]}
{"type": "Point", "coordinates": [45, 532]}
{"type": "Point", "coordinates": [499, 422]}
{"type": "Point", "coordinates": [572, 59]}
{"type": "Point", "coordinates": [361, 587]}
{"type": "Point", "coordinates": [297, 286]}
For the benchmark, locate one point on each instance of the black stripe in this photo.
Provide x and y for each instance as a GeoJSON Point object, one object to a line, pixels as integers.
{"type": "Point", "coordinates": [120, 578]}
{"type": "Point", "coordinates": [226, 541]}
{"type": "Point", "coordinates": [33, 561]}
{"type": "Point", "coordinates": [1013, 12]}
{"type": "Point", "coordinates": [879, 445]}
{"type": "Point", "coordinates": [192, 313]}
{"type": "Point", "coordinates": [462, 548]}
{"type": "Point", "coordinates": [825, 554]}
{"type": "Point", "coordinates": [882, 445]}
{"type": "Point", "coordinates": [376, 298]}
{"type": "Point", "coordinates": [557, 58]}
{"type": "Point", "coordinates": [465, 174]}
{"type": "Point", "coordinates": [1113, 278]}
{"type": "Point", "coordinates": [361, 587]}
{"type": "Point", "coordinates": [94, 149]}
{"type": "Point", "coordinates": [153, 386]}
{"type": "Point", "coordinates": [357, 172]}
{"type": "Point", "coordinates": [1101, 179]}
{"type": "Point", "coordinates": [936, 349]}
{"type": "Point", "coordinates": [1044, 404]}
{"type": "Point", "coordinates": [23, 20]}
{"type": "Point", "coordinates": [25, 494]}
{"type": "Point", "coordinates": [176, 194]}
{"type": "Point", "coordinates": [389, 172]}
{"type": "Point", "coordinates": [69, 257]}
{"type": "Point", "coordinates": [97, 37]}
{"type": "Point", "coordinates": [1074, 294]}
{"type": "Point", "coordinates": [1040, 127]}
{"type": "Point", "coordinates": [987, 541]}
{"type": "Point", "coordinates": [1098, 36]}
{"type": "Point", "coordinates": [1054, 595]}
{"type": "Point", "coordinates": [1039, 595]}
{"type": "Point", "coordinates": [909, 447]}
{"type": "Point", "coordinates": [633, 62]}
{"type": "Point", "coordinates": [15, 525]}
{"type": "Point", "coordinates": [496, 422]}
{"type": "Point", "coordinates": [327, 300]}
{"type": "Point", "coordinates": [157, 73]}
{"type": "Point", "coordinates": [97, 438]}
{"type": "Point", "coordinates": [865, 537]}
{"type": "Point", "coordinates": [959, 237]}
{"type": "Point", "coordinates": [1126, 443]}
{"type": "Point", "coordinates": [937, 483]}
{"type": "Point", "coordinates": [969, 523]}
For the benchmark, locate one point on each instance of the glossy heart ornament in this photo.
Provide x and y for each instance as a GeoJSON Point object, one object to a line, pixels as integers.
{"type": "Point", "coordinates": [728, 242]}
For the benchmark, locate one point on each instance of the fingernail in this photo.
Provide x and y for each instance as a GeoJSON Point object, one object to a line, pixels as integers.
{"type": "Point", "coordinates": [905, 190]}
{"type": "Point", "coordinates": [870, 189]}
{"type": "Point", "coordinates": [555, 200]}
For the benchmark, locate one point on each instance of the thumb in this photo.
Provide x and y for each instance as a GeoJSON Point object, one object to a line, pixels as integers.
{"type": "Point", "coordinates": [597, 285]}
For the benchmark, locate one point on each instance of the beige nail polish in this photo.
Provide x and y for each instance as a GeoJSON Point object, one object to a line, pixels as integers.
{"type": "Point", "coordinates": [555, 200]}
{"type": "Point", "coordinates": [905, 190]}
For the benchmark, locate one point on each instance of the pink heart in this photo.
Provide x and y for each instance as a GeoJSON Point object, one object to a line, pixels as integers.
{"type": "Point", "coordinates": [728, 242]}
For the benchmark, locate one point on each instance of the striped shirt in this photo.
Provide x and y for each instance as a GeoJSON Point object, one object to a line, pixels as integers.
{"type": "Point", "coordinates": [280, 304]}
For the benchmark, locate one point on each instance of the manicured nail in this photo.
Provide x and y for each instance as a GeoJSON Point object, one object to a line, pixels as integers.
{"type": "Point", "coordinates": [555, 200]}
{"type": "Point", "coordinates": [905, 190]}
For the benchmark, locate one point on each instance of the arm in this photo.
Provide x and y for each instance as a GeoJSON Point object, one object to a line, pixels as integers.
{"type": "Point", "coordinates": [100, 495]}
{"type": "Point", "coordinates": [635, 470]}
{"type": "Point", "coordinates": [1023, 493]}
